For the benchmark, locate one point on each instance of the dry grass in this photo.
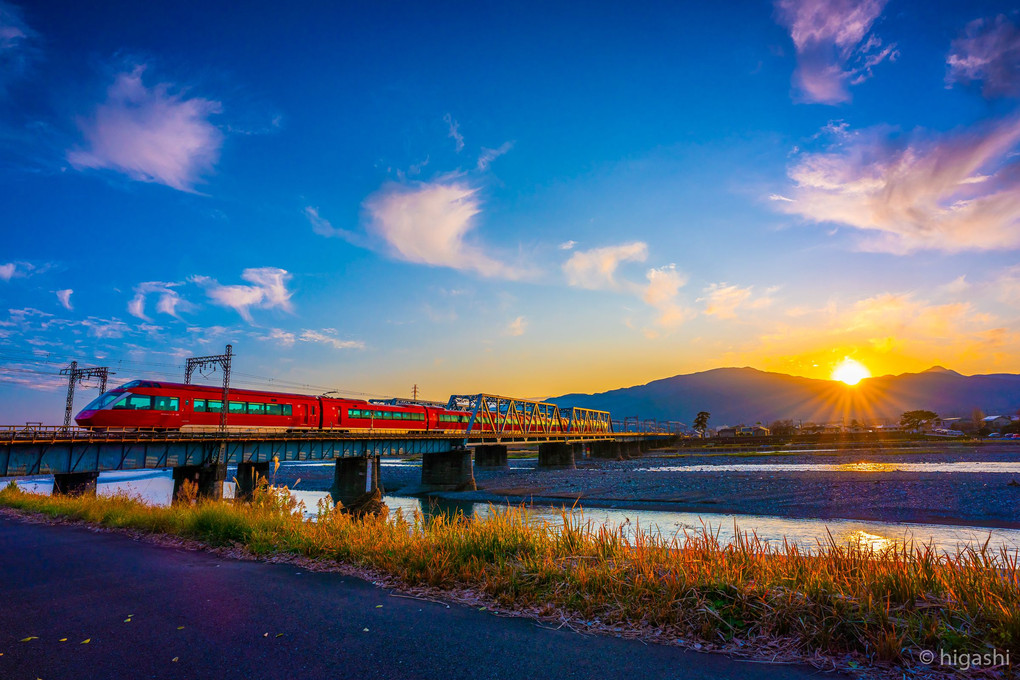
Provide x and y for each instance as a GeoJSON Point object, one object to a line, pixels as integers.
{"type": "Point", "coordinates": [876, 606]}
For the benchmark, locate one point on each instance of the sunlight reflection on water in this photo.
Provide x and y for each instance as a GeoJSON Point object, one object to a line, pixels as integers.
{"type": "Point", "coordinates": [156, 487]}
{"type": "Point", "coordinates": [975, 466]}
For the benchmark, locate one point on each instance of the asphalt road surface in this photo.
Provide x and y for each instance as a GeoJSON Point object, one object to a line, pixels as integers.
{"type": "Point", "coordinates": [196, 615]}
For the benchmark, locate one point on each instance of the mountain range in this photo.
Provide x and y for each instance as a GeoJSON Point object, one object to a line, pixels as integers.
{"type": "Point", "coordinates": [747, 395]}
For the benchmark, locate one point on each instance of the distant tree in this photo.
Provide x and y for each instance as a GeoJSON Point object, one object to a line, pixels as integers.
{"type": "Point", "coordinates": [782, 428]}
{"type": "Point", "coordinates": [701, 422]}
{"type": "Point", "coordinates": [977, 416]}
{"type": "Point", "coordinates": [914, 420]}
{"type": "Point", "coordinates": [854, 424]}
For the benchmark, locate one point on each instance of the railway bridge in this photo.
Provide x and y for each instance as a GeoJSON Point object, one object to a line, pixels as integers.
{"type": "Point", "coordinates": [76, 456]}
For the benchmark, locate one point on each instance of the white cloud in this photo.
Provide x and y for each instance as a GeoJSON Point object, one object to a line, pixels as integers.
{"type": "Point", "coordinates": [105, 328]}
{"type": "Point", "coordinates": [834, 43]}
{"type": "Point", "coordinates": [65, 297]}
{"type": "Point", "coordinates": [151, 135]}
{"type": "Point", "coordinates": [282, 337]}
{"type": "Point", "coordinates": [458, 139]}
{"type": "Point", "coordinates": [7, 271]}
{"type": "Point", "coordinates": [517, 327]}
{"type": "Point", "coordinates": [169, 302]}
{"type": "Point", "coordinates": [661, 293]}
{"type": "Point", "coordinates": [327, 336]}
{"type": "Point", "coordinates": [268, 291]}
{"type": "Point", "coordinates": [596, 268]}
{"type": "Point", "coordinates": [429, 223]}
{"type": "Point", "coordinates": [987, 52]}
{"type": "Point", "coordinates": [13, 270]}
{"type": "Point", "coordinates": [567, 245]}
{"type": "Point", "coordinates": [724, 301]}
{"type": "Point", "coordinates": [949, 192]}
{"type": "Point", "coordinates": [488, 155]}
{"type": "Point", "coordinates": [16, 40]}
{"type": "Point", "coordinates": [323, 227]}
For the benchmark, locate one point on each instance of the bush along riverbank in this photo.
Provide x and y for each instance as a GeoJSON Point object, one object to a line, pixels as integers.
{"type": "Point", "coordinates": [847, 606]}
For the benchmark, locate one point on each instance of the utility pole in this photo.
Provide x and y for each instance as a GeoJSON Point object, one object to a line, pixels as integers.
{"type": "Point", "coordinates": [414, 393]}
{"type": "Point", "coordinates": [211, 362]}
{"type": "Point", "coordinates": [78, 376]}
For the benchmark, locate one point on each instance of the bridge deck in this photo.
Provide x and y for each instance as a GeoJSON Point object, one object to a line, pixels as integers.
{"type": "Point", "coordinates": [54, 450]}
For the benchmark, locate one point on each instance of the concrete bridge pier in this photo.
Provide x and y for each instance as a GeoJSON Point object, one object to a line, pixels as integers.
{"type": "Point", "coordinates": [491, 456]}
{"type": "Point", "coordinates": [246, 477]}
{"type": "Point", "coordinates": [630, 450]}
{"type": "Point", "coordinates": [609, 450]}
{"type": "Point", "coordinates": [75, 483]}
{"type": "Point", "coordinates": [449, 470]}
{"type": "Point", "coordinates": [209, 479]}
{"type": "Point", "coordinates": [556, 456]}
{"type": "Point", "coordinates": [353, 478]}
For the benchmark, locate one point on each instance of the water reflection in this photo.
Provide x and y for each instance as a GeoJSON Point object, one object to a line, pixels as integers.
{"type": "Point", "coordinates": [975, 466]}
{"type": "Point", "coordinates": [156, 487]}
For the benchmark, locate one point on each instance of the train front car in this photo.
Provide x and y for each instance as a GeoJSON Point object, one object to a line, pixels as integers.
{"type": "Point", "coordinates": [145, 404]}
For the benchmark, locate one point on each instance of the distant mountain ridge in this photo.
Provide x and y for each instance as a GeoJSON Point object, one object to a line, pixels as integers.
{"type": "Point", "coordinates": [747, 395]}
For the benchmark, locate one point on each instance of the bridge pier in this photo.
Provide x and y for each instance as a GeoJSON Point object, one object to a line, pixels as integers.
{"type": "Point", "coordinates": [209, 479]}
{"type": "Point", "coordinates": [448, 471]}
{"type": "Point", "coordinates": [606, 449]}
{"type": "Point", "coordinates": [556, 456]}
{"type": "Point", "coordinates": [491, 456]}
{"type": "Point", "coordinates": [75, 483]}
{"type": "Point", "coordinates": [247, 475]}
{"type": "Point", "coordinates": [353, 478]}
{"type": "Point", "coordinates": [630, 450]}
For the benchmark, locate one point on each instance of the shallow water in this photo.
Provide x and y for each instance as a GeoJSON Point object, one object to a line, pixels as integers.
{"type": "Point", "coordinates": [973, 466]}
{"type": "Point", "coordinates": [156, 487]}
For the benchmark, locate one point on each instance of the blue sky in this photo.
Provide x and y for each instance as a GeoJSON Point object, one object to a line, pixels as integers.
{"type": "Point", "coordinates": [530, 199]}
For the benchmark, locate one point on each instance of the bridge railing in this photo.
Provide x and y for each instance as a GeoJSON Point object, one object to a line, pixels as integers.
{"type": "Point", "coordinates": [496, 414]}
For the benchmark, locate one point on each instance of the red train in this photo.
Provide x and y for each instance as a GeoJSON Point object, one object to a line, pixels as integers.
{"type": "Point", "coordinates": [147, 404]}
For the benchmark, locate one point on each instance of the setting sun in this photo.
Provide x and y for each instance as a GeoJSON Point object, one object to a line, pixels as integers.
{"type": "Point", "coordinates": [850, 371]}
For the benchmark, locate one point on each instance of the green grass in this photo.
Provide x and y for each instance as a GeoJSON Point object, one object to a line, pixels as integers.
{"type": "Point", "coordinates": [876, 606]}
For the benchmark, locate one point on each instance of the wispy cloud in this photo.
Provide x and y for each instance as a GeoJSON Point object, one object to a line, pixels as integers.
{"type": "Point", "coordinates": [950, 192]}
{"type": "Point", "coordinates": [835, 46]}
{"type": "Point", "coordinates": [567, 245]}
{"type": "Point", "coordinates": [16, 44]}
{"type": "Point", "coordinates": [517, 327]}
{"type": "Point", "coordinates": [662, 292]}
{"type": "Point", "coordinates": [488, 155]}
{"type": "Point", "coordinates": [151, 134]}
{"type": "Point", "coordinates": [454, 134]}
{"type": "Point", "coordinates": [323, 227]}
{"type": "Point", "coordinates": [987, 53]}
{"type": "Point", "coordinates": [281, 337]}
{"type": "Point", "coordinates": [65, 297]}
{"type": "Point", "coordinates": [596, 268]}
{"type": "Point", "coordinates": [327, 336]}
{"type": "Point", "coordinates": [169, 302]}
{"type": "Point", "coordinates": [724, 301]}
{"type": "Point", "coordinates": [429, 223]}
{"type": "Point", "coordinates": [268, 290]}
{"type": "Point", "coordinates": [13, 270]}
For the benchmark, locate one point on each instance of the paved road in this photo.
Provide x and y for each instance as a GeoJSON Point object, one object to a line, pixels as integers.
{"type": "Point", "coordinates": [69, 582]}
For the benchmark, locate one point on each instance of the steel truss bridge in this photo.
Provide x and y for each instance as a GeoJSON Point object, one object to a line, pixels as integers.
{"type": "Point", "coordinates": [56, 450]}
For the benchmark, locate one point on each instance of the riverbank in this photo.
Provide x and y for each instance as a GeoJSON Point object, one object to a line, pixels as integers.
{"type": "Point", "coordinates": [844, 606]}
{"type": "Point", "coordinates": [853, 484]}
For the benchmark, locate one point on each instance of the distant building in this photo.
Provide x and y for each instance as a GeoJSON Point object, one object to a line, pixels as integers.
{"type": "Point", "coordinates": [997, 422]}
{"type": "Point", "coordinates": [744, 431]}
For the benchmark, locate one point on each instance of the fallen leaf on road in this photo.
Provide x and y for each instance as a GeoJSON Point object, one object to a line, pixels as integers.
{"type": "Point", "coordinates": [175, 659]}
{"type": "Point", "coordinates": [279, 635]}
{"type": "Point", "coordinates": [127, 620]}
{"type": "Point", "coordinates": [29, 638]}
{"type": "Point", "coordinates": [86, 641]}
{"type": "Point", "coordinates": [63, 639]}
{"type": "Point", "coordinates": [378, 606]}
{"type": "Point", "coordinates": [265, 635]}
{"type": "Point", "coordinates": [365, 629]}
{"type": "Point", "coordinates": [180, 627]}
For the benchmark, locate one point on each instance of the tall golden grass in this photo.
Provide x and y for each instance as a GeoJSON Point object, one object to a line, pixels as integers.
{"type": "Point", "coordinates": [879, 605]}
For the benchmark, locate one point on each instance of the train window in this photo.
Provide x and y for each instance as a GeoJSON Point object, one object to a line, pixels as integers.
{"type": "Point", "coordinates": [199, 406]}
{"type": "Point", "coordinates": [274, 409]}
{"type": "Point", "coordinates": [286, 409]}
{"type": "Point", "coordinates": [164, 403]}
{"type": "Point", "coordinates": [256, 409]}
{"type": "Point", "coordinates": [236, 407]}
{"type": "Point", "coordinates": [134, 402]}
{"type": "Point", "coordinates": [214, 406]}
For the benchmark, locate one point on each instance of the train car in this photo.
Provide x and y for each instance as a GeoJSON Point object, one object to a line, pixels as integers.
{"type": "Point", "coordinates": [356, 415]}
{"type": "Point", "coordinates": [145, 404]}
